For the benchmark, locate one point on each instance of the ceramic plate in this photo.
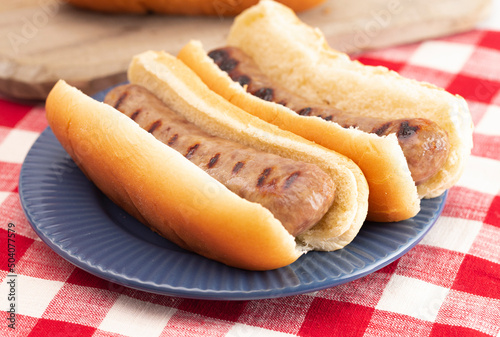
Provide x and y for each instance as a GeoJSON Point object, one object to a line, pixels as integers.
{"type": "Point", "coordinates": [83, 226]}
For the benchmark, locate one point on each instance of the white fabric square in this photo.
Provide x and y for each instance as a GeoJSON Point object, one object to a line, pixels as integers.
{"type": "Point", "coordinates": [453, 234]}
{"type": "Point", "coordinates": [132, 317]}
{"type": "Point", "coordinates": [481, 174]}
{"type": "Point", "coordinates": [490, 122]}
{"type": "Point", "coordinates": [442, 55]}
{"type": "Point", "coordinates": [3, 196]}
{"type": "Point", "coordinates": [16, 145]}
{"type": "Point", "coordinates": [33, 295]}
{"type": "Point", "coordinates": [471, 311]}
{"type": "Point", "coordinates": [412, 297]}
{"type": "Point", "coordinates": [486, 244]}
{"type": "Point", "coordinates": [480, 66]}
{"type": "Point", "coordinates": [239, 330]}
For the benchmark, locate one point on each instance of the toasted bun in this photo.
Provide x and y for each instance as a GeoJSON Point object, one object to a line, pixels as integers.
{"type": "Point", "coordinates": [183, 7]}
{"type": "Point", "coordinates": [143, 175]}
{"type": "Point", "coordinates": [183, 91]}
{"type": "Point", "coordinates": [297, 56]}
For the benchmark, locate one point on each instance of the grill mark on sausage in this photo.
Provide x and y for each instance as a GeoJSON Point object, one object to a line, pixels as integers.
{"type": "Point", "coordinates": [243, 80]}
{"type": "Point", "coordinates": [327, 118]}
{"type": "Point", "coordinates": [263, 176]}
{"type": "Point", "coordinates": [136, 113]}
{"type": "Point", "coordinates": [172, 140]}
{"type": "Point", "coordinates": [192, 149]}
{"type": "Point", "coordinates": [237, 167]}
{"type": "Point", "coordinates": [218, 55]}
{"type": "Point", "coordinates": [290, 179]}
{"type": "Point", "coordinates": [154, 126]}
{"type": "Point", "coordinates": [381, 130]}
{"type": "Point", "coordinates": [406, 130]}
{"type": "Point", "coordinates": [120, 99]}
{"type": "Point", "coordinates": [237, 170]}
{"type": "Point", "coordinates": [213, 160]}
{"type": "Point", "coordinates": [305, 111]}
{"type": "Point", "coordinates": [228, 64]}
{"type": "Point", "coordinates": [267, 94]}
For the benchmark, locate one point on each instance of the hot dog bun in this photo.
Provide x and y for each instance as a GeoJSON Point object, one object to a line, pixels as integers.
{"type": "Point", "coordinates": [183, 7]}
{"type": "Point", "coordinates": [297, 56]}
{"type": "Point", "coordinates": [141, 175]}
{"type": "Point", "coordinates": [176, 198]}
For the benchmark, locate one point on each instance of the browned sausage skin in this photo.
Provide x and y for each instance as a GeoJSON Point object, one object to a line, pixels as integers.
{"type": "Point", "coordinates": [424, 144]}
{"type": "Point", "coordinates": [297, 193]}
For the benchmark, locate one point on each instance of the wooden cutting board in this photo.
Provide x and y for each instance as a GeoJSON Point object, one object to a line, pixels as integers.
{"type": "Point", "coordinates": [45, 40]}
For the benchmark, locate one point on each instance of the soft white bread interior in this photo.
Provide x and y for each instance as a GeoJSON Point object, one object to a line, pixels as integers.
{"type": "Point", "coordinates": [393, 194]}
{"type": "Point", "coordinates": [162, 189]}
{"type": "Point", "coordinates": [177, 199]}
{"type": "Point", "coordinates": [183, 91]}
{"type": "Point", "coordinates": [296, 56]}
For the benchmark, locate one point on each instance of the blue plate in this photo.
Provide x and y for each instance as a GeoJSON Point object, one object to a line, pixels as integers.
{"type": "Point", "coordinates": [83, 226]}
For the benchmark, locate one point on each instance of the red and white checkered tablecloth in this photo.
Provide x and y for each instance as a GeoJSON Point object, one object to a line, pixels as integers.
{"type": "Point", "coordinates": [448, 285]}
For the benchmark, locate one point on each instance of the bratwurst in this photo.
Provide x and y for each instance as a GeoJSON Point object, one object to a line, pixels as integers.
{"type": "Point", "coordinates": [424, 144]}
{"type": "Point", "coordinates": [297, 193]}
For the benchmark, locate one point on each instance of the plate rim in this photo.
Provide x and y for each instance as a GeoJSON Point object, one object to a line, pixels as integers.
{"type": "Point", "coordinates": [212, 294]}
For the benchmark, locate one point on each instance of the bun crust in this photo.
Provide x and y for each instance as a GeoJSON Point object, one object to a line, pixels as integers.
{"type": "Point", "coordinates": [142, 175]}
{"type": "Point", "coordinates": [297, 56]}
{"type": "Point", "coordinates": [183, 7]}
{"type": "Point", "coordinates": [183, 91]}
{"type": "Point", "coordinates": [177, 199]}
{"type": "Point", "coordinates": [393, 195]}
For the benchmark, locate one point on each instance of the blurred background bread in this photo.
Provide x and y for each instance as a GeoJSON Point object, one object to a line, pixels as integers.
{"type": "Point", "coordinates": [183, 7]}
{"type": "Point", "coordinates": [45, 40]}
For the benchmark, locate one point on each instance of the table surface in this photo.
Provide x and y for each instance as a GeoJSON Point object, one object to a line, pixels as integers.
{"type": "Point", "coordinates": [448, 285]}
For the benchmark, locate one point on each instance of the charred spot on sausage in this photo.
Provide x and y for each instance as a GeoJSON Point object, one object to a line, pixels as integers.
{"type": "Point", "coordinates": [327, 118]}
{"type": "Point", "coordinates": [305, 111]}
{"type": "Point", "coordinates": [218, 55]}
{"type": "Point", "coordinates": [134, 115]}
{"type": "Point", "coordinates": [267, 94]}
{"type": "Point", "coordinates": [290, 179]}
{"type": "Point", "coordinates": [263, 176]}
{"type": "Point", "coordinates": [379, 131]}
{"type": "Point", "coordinates": [228, 64]}
{"type": "Point", "coordinates": [120, 99]}
{"type": "Point", "coordinates": [237, 167]}
{"type": "Point", "coordinates": [213, 160]}
{"type": "Point", "coordinates": [406, 130]}
{"type": "Point", "coordinates": [172, 140]}
{"type": "Point", "coordinates": [154, 126]}
{"type": "Point", "coordinates": [243, 80]}
{"type": "Point", "coordinates": [192, 149]}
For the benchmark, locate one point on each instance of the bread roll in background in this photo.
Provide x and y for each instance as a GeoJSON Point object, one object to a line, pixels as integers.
{"type": "Point", "coordinates": [297, 57]}
{"type": "Point", "coordinates": [183, 7]}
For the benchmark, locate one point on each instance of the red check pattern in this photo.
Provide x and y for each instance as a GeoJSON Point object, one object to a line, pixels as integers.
{"type": "Point", "coordinates": [448, 285]}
